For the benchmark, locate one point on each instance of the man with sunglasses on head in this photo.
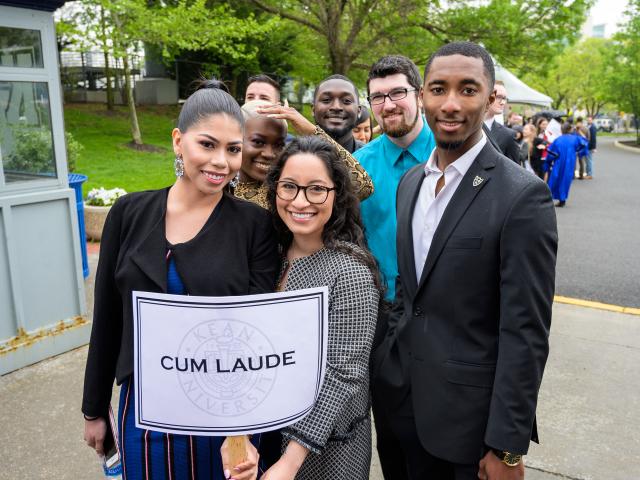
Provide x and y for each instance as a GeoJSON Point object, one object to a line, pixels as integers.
{"type": "Point", "coordinates": [503, 137]}
{"type": "Point", "coordinates": [394, 89]}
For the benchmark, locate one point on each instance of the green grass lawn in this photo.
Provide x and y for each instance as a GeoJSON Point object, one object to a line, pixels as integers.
{"type": "Point", "coordinates": [106, 159]}
{"type": "Point", "coordinates": [630, 133]}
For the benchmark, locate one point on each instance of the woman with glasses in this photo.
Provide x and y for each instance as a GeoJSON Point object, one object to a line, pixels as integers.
{"type": "Point", "coordinates": [318, 222]}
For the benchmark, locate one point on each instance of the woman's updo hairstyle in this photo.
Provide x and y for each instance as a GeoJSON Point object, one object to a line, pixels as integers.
{"type": "Point", "coordinates": [211, 97]}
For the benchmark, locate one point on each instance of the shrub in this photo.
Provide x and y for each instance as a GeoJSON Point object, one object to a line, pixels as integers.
{"type": "Point", "coordinates": [33, 151]}
{"type": "Point", "coordinates": [100, 197]}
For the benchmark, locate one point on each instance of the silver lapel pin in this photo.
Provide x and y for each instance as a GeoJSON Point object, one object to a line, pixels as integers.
{"type": "Point", "coordinates": [477, 181]}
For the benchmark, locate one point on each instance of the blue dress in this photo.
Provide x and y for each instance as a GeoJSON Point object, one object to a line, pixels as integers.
{"type": "Point", "coordinates": [163, 456]}
{"type": "Point", "coordinates": [561, 160]}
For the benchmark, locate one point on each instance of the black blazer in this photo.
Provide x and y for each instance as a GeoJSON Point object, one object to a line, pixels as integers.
{"type": "Point", "coordinates": [505, 138]}
{"type": "Point", "coordinates": [469, 340]}
{"type": "Point", "coordinates": [235, 253]}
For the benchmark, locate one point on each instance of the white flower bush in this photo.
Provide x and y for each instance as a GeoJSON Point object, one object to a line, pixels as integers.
{"type": "Point", "coordinates": [102, 197]}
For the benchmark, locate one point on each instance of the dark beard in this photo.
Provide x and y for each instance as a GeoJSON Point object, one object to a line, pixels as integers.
{"type": "Point", "coordinates": [402, 129]}
{"type": "Point", "coordinates": [337, 133]}
{"type": "Point", "coordinates": [450, 145]}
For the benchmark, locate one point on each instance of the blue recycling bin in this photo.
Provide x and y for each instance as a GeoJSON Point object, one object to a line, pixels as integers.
{"type": "Point", "coordinates": [75, 181]}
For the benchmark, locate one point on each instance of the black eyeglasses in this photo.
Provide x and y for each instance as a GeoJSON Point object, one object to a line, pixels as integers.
{"type": "Point", "coordinates": [316, 194]}
{"type": "Point", "coordinates": [393, 95]}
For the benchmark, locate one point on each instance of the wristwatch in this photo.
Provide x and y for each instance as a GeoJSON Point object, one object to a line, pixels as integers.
{"type": "Point", "coordinates": [509, 459]}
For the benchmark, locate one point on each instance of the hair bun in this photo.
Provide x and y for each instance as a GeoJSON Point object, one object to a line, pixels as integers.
{"type": "Point", "coordinates": [212, 83]}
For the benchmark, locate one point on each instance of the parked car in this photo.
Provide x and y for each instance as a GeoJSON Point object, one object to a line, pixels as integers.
{"type": "Point", "coordinates": [603, 124]}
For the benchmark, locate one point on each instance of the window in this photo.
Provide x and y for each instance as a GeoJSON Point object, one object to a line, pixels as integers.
{"type": "Point", "coordinates": [26, 142]}
{"type": "Point", "coordinates": [20, 47]}
{"type": "Point", "coordinates": [598, 31]}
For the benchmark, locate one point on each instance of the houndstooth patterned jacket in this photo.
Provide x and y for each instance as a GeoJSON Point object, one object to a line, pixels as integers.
{"type": "Point", "coordinates": [337, 431]}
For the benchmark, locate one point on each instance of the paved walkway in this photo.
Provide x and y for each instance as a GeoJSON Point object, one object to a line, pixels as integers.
{"type": "Point", "coordinates": [598, 254]}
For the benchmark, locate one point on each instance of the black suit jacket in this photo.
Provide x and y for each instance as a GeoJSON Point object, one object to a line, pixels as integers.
{"type": "Point", "coordinates": [469, 339]}
{"type": "Point", "coordinates": [505, 138]}
{"type": "Point", "coordinates": [235, 253]}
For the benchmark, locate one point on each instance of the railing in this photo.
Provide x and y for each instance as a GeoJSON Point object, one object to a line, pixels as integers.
{"type": "Point", "coordinates": [95, 60]}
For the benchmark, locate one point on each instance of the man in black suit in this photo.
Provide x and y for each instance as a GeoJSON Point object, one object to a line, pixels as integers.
{"type": "Point", "coordinates": [504, 137]}
{"type": "Point", "coordinates": [462, 360]}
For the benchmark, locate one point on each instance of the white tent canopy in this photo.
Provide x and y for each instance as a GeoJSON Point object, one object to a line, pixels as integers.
{"type": "Point", "coordinates": [520, 92]}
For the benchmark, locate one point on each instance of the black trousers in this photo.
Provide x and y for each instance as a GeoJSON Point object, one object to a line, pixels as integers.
{"type": "Point", "coordinates": [392, 458]}
{"type": "Point", "coordinates": [420, 464]}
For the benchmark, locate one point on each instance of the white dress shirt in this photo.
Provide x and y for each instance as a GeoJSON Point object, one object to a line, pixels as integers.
{"type": "Point", "coordinates": [489, 122]}
{"type": "Point", "coordinates": [429, 207]}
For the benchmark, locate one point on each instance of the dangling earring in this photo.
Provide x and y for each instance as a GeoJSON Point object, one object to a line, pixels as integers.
{"type": "Point", "coordinates": [234, 182]}
{"type": "Point", "coordinates": [179, 166]}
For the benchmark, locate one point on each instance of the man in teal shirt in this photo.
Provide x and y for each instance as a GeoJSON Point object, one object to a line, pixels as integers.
{"type": "Point", "coordinates": [394, 86]}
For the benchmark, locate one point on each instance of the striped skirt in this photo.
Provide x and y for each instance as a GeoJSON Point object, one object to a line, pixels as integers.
{"type": "Point", "coordinates": [148, 455]}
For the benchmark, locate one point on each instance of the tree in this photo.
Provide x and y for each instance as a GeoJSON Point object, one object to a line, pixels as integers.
{"type": "Point", "coordinates": [265, 30]}
{"type": "Point", "coordinates": [549, 81]}
{"type": "Point", "coordinates": [522, 34]}
{"type": "Point", "coordinates": [341, 25]}
{"type": "Point", "coordinates": [121, 26]}
{"type": "Point", "coordinates": [353, 33]}
{"type": "Point", "coordinates": [625, 79]}
{"type": "Point", "coordinates": [578, 77]}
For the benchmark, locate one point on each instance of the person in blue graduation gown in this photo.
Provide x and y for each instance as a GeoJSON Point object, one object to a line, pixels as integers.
{"type": "Point", "coordinates": [561, 160]}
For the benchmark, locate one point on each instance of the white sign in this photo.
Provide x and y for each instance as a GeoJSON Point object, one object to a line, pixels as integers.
{"type": "Point", "coordinates": [228, 365]}
{"type": "Point", "coordinates": [553, 130]}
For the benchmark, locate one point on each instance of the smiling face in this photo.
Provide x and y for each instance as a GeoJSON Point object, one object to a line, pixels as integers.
{"type": "Point", "coordinates": [542, 125]}
{"type": "Point", "coordinates": [263, 141]}
{"type": "Point", "coordinates": [303, 219]}
{"type": "Point", "coordinates": [362, 131]}
{"type": "Point", "coordinates": [261, 91]}
{"type": "Point", "coordinates": [456, 98]}
{"type": "Point", "coordinates": [396, 118]}
{"type": "Point", "coordinates": [211, 150]}
{"type": "Point", "coordinates": [497, 107]}
{"type": "Point", "coordinates": [335, 107]}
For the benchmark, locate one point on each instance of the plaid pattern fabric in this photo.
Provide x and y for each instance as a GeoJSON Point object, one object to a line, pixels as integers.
{"type": "Point", "coordinates": [337, 431]}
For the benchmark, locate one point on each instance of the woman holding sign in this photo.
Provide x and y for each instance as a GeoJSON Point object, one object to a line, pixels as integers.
{"type": "Point", "coordinates": [318, 221]}
{"type": "Point", "coordinates": [192, 238]}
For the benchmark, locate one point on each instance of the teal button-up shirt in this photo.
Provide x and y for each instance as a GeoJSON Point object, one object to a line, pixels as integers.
{"type": "Point", "coordinates": [385, 162]}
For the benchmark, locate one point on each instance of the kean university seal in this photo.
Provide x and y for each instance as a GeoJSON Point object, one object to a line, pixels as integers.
{"type": "Point", "coordinates": [221, 372]}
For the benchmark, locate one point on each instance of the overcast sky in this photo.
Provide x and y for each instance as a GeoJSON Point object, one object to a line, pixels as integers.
{"type": "Point", "coordinates": [609, 12]}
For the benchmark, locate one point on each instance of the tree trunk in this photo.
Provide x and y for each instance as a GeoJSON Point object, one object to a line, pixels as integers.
{"type": "Point", "coordinates": [135, 128]}
{"type": "Point", "coordinates": [107, 74]}
{"type": "Point", "coordinates": [107, 68]}
{"type": "Point", "coordinates": [340, 63]}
